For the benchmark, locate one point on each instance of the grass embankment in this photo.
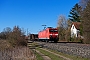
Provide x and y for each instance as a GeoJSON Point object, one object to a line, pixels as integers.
{"type": "Point", "coordinates": [8, 52]}
{"type": "Point", "coordinates": [39, 57]}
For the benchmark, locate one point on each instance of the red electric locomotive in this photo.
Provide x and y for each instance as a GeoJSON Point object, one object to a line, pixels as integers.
{"type": "Point", "coordinates": [49, 34]}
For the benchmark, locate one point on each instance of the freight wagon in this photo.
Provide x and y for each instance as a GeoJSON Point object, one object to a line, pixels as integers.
{"type": "Point", "coordinates": [34, 37]}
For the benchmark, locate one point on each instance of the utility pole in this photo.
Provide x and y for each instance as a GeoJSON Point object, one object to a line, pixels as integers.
{"type": "Point", "coordinates": [27, 31]}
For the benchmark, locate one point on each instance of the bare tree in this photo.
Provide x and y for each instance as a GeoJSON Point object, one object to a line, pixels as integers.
{"type": "Point", "coordinates": [7, 31]}
{"type": "Point", "coordinates": [86, 23]}
{"type": "Point", "coordinates": [83, 3]}
{"type": "Point", "coordinates": [68, 31]}
{"type": "Point", "coordinates": [62, 25]}
{"type": "Point", "coordinates": [62, 22]}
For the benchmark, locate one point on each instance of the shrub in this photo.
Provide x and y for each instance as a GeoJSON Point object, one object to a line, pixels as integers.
{"type": "Point", "coordinates": [16, 37]}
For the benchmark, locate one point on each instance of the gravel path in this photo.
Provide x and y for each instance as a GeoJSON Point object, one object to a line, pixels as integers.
{"type": "Point", "coordinates": [44, 56]}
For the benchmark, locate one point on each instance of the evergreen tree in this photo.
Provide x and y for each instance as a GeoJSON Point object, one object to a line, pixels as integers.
{"type": "Point", "coordinates": [75, 13]}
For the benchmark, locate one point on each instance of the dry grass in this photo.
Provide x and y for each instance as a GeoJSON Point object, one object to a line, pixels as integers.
{"type": "Point", "coordinates": [4, 44]}
{"type": "Point", "coordinates": [17, 53]}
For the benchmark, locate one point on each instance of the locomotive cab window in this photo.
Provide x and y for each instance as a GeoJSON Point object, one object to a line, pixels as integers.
{"type": "Point", "coordinates": [53, 31]}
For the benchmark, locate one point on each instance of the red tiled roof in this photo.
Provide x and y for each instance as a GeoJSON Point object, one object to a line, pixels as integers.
{"type": "Point", "coordinates": [76, 24]}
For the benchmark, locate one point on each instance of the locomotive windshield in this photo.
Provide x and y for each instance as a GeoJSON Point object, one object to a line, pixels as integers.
{"type": "Point", "coordinates": [53, 31]}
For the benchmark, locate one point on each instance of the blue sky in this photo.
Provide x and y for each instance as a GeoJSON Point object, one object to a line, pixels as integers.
{"type": "Point", "coordinates": [32, 14]}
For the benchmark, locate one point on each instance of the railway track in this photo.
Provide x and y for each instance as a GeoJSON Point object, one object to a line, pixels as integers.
{"type": "Point", "coordinates": [77, 49]}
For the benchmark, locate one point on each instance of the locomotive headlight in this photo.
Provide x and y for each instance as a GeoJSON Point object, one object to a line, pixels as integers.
{"type": "Point", "coordinates": [56, 34]}
{"type": "Point", "coordinates": [50, 34]}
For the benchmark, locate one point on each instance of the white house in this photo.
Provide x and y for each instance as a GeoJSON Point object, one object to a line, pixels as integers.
{"type": "Point", "coordinates": [75, 29]}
